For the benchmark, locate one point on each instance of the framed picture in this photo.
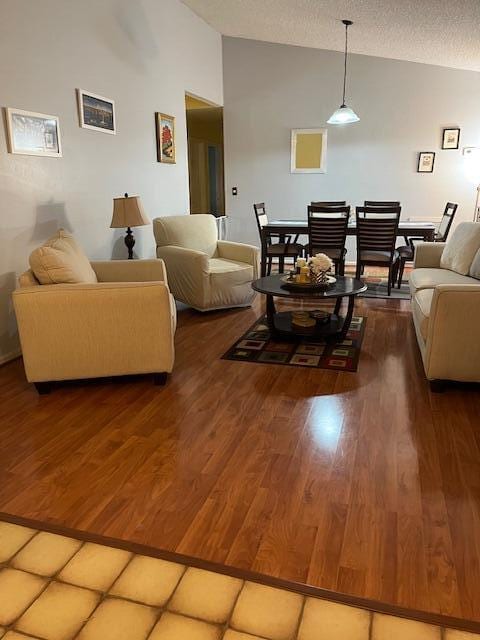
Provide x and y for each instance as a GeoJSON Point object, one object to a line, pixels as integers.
{"type": "Point", "coordinates": [96, 112]}
{"type": "Point", "coordinates": [308, 151]}
{"type": "Point", "coordinates": [33, 134]}
{"type": "Point", "coordinates": [451, 138]}
{"type": "Point", "coordinates": [165, 130]}
{"type": "Point", "coordinates": [426, 160]}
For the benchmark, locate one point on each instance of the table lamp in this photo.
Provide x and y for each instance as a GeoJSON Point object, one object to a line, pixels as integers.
{"type": "Point", "coordinates": [128, 212]}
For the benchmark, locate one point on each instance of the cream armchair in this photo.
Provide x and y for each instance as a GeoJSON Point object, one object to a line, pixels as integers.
{"type": "Point", "coordinates": [122, 324]}
{"type": "Point", "coordinates": [204, 272]}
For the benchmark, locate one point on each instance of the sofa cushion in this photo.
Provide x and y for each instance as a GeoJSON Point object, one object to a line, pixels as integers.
{"type": "Point", "coordinates": [475, 268]}
{"type": "Point", "coordinates": [222, 265]}
{"type": "Point", "coordinates": [460, 250]}
{"type": "Point", "coordinates": [425, 278]}
{"type": "Point", "coordinates": [421, 303]}
{"type": "Point", "coordinates": [60, 260]}
{"type": "Point", "coordinates": [195, 231]}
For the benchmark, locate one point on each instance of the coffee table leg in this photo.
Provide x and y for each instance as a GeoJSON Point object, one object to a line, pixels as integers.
{"type": "Point", "coordinates": [348, 319]}
{"type": "Point", "coordinates": [271, 311]}
{"type": "Point", "coordinates": [338, 304]}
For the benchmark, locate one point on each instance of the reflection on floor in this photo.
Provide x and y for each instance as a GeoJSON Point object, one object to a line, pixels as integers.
{"type": "Point", "coordinates": [54, 587]}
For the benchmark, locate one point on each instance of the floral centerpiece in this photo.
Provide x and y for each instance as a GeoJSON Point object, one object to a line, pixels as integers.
{"type": "Point", "coordinates": [319, 266]}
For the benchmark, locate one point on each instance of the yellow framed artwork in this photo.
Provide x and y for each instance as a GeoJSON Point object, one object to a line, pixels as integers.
{"type": "Point", "coordinates": [165, 130]}
{"type": "Point", "coordinates": [308, 151]}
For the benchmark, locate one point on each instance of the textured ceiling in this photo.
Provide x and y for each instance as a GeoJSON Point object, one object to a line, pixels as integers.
{"type": "Point", "coordinates": [442, 32]}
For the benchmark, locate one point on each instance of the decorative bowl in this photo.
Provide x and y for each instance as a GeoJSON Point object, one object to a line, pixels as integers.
{"type": "Point", "coordinates": [288, 283]}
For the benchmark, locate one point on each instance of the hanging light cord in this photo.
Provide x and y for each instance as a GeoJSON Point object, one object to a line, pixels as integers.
{"type": "Point", "coordinates": [345, 64]}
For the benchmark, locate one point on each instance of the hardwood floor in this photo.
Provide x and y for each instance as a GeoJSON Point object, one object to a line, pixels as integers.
{"type": "Point", "coordinates": [364, 483]}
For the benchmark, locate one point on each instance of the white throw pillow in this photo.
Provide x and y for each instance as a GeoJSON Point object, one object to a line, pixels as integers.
{"type": "Point", "coordinates": [475, 268]}
{"type": "Point", "coordinates": [61, 261]}
{"type": "Point", "coordinates": [460, 250]}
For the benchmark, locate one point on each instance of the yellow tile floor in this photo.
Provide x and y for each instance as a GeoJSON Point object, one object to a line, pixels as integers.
{"type": "Point", "coordinates": [58, 588]}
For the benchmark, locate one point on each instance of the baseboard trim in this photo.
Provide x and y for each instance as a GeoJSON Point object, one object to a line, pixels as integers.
{"type": "Point", "coordinates": [8, 357]}
{"type": "Point", "coordinates": [437, 619]}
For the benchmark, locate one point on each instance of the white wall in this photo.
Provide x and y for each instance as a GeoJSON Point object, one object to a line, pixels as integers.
{"type": "Point", "coordinates": [144, 55]}
{"type": "Point", "coordinates": [271, 89]}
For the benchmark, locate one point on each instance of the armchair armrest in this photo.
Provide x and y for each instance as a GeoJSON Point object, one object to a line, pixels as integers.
{"type": "Point", "coordinates": [130, 270]}
{"type": "Point", "coordinates": [428, 254]}
{"type": "Point", "coordinates": [188, 274]}
{"type": "Point", "coordinates": [84, 331]}
{"type": "Point", "coordinates": [241, 253]}
{"type": "Point", "coordinates": [451, 353]}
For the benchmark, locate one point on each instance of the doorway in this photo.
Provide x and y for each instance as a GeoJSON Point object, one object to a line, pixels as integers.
{"type": "Point", "coordinates": [205, 156]}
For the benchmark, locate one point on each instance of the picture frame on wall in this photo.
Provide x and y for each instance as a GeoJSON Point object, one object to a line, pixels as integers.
{"type": "Point", "coordinates": [96, 112]}
{"type": "Point", "coordinates": [426, 161]}
{"type": "Point", "coordinates": [451, 138]}
{"type": "Point", "coordinates": [308, 152]}
{"type": "Point", "coordinates": [165, 133]}
{"type": "Point", "coordinates": [33, 134]}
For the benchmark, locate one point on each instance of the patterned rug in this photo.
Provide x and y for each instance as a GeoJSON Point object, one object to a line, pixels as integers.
{"type": "Point", "coordinates": [257, 346]}
{"type": "Point", "coordinates": [377, 288]}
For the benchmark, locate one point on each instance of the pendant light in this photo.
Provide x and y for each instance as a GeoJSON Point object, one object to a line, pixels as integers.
{"type": "Point", "coordinates": [344, 114]}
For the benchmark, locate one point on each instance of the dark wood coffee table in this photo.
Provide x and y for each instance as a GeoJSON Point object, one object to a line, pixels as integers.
{"type": "Point", "coordinates": [335, 328]}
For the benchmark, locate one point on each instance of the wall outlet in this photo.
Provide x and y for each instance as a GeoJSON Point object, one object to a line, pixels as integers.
{"type": "Point", "coordinates": [234, 191]}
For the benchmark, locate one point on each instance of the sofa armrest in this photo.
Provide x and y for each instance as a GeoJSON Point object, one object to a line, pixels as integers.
{"type": "Point", "coordinates": [451, 351]}
{"type": "Point", "coordinates": [188, 274]}
{"type": "Point", "coordinates": [130, 270]}
{"type": "Point", "coordinates": [428, 255]}
{"type": "Point", "coordinates": [241, 253]}
{"type": "Point", "coordinates": [70, 331]}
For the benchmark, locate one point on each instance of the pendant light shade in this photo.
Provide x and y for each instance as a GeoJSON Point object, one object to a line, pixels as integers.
{"type": "Point", "coordinates": [344, 114]}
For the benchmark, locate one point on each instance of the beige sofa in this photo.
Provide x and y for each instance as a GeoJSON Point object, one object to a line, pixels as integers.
{"type": "Point", "coordinates": [123, 322]}
{"type": "Point", "coordinates": [204, 272]}
{"type": "Point", "coordinates": [446, 306]}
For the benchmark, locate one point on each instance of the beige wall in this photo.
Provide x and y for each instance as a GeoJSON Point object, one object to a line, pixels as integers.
{"type": "Point", "coordinates": [144, 55]}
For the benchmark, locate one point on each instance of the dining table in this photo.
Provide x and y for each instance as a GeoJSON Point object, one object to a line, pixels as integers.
{"type": "Point", "coordinates": [406, 229]}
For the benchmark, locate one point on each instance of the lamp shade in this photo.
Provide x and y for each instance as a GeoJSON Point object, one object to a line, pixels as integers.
{"type": "Point", "coordinates": [128, 212]}
{"type": "Point", "coordinates": [343, 115]}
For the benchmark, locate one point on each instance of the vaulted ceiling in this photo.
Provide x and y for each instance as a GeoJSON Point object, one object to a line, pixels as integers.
{"type": "Point", "coordinates": [442, 32]}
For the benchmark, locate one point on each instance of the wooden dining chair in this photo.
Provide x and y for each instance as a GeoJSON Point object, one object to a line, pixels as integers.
{"type": "Point", "coordinates": [327, 233]}
{"type": "Point", "coordinates": [407, 252]}
{"type": "Point", "coordinates": [284, 248]}
{"type": "Point", "coordinates": [377, 230]}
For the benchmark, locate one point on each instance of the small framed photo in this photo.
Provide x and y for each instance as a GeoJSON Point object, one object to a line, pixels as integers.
{"type": "Point", "coordinates": [165, 130]}
{"type": "Point", "coordinates": [426, 160]}
{"type": "Point", "coordinates": [96, 112]}
{"type": "Point", "coordinates": [33, 134]}
{"type": "Point", "coordinates": [451, 138]}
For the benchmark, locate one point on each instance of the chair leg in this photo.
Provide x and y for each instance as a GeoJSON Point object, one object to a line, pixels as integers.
{"type": "Point", "coordinates": [341, 267]}
{"type": "Point", "coordinates": [269, 267]}
{"type": "Point", "coordinates": [159, 379]}
{"type": "Point", "coordinates": [400, 272]}
{"type": "Point", "coordinates": [359, 271]}
{"type": "Point", "coordinates": [390, 272]}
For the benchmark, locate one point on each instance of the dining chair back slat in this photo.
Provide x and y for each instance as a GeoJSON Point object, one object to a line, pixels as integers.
{"type": "Point", "coordinates": [381, 203]}
{"type": "Point", "coordinates": [331, 203]}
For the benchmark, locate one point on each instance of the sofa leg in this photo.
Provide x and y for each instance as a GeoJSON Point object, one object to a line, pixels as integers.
{"type": "Point", "coordinates": [43, 388]}
{"type": "Point", "coordinates": [437, 386]}
{"type": "Point", "coordinates": [159, 379]}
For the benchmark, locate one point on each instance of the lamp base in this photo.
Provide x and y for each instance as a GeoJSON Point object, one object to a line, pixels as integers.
{"type": "Point", "coordinates": [130, 242]}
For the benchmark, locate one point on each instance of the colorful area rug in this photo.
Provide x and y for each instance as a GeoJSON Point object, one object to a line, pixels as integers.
{"type": "Point", "coordinates": [378, 288]}
{"type": "Point", "coordinates": [257, 346]}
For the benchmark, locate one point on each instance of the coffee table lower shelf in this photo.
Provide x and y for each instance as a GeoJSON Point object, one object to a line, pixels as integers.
{"type": "Point", "coordinates": [335, 329]}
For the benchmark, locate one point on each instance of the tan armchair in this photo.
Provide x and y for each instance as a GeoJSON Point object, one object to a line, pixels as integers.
{"type": "Point", "coordinates": [204, 272]}
{"type": "Point", "coordinates": [123, 324]}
